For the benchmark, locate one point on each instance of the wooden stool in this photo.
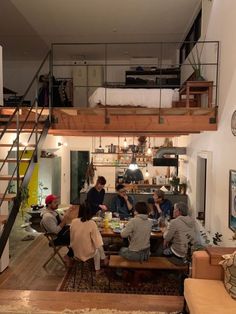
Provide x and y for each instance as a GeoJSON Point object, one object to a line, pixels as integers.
{"type": "Point", "coordinates": [197, 88]}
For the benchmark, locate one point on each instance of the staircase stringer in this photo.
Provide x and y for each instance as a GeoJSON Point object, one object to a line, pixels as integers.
{"type": "Point", "coordinates": [17, 200]}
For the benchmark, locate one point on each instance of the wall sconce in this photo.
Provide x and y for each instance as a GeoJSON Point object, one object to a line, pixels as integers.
{"type": "Point", "coordinates": [59, 144]}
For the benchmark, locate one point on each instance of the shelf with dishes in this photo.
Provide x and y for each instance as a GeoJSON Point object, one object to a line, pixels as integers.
{"type": "Point", "coordinates": [118, 159]}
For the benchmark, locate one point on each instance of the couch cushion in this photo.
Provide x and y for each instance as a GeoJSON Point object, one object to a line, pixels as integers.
{"type": "Point", "coordinates": [202, 269]}
{"type": "Point", "coordinates": [229, 265]}
{"type": "Point", "coordinates": [208, 296]}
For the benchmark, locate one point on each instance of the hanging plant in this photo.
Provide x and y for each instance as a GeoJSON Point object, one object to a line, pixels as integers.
{"type": "Point", "coordinates": [24, 192]}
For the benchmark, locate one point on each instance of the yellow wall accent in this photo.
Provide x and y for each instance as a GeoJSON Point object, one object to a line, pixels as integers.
{"type": "Point", "coordinates": [33, 183]}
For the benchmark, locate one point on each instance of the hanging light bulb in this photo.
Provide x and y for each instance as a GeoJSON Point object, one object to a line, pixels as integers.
{"type": "Point", "coordinates": [133, 165]}
{"type": "Point", "coordinates": [149, 150]}
{"type": "Point", "coordinates": [146, 173]}
{"type": "Point", "coordinates": [125, 144]}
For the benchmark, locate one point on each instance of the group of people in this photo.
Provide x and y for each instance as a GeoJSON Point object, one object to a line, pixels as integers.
{"type": "Point", "coordinates": [85, 240]}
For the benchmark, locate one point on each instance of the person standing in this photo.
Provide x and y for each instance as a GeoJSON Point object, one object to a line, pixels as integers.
{"type": "Point", "coordinates": [95, 196]}
{"type": "Point", "coordinates": [122, 204]}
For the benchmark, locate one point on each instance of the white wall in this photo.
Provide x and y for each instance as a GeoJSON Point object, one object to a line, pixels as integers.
{"type": "Point", "coordinates": [222, 144]}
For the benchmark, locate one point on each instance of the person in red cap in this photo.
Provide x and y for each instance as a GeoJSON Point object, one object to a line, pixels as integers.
{"type": "Point", "coordinates": [57, 224]}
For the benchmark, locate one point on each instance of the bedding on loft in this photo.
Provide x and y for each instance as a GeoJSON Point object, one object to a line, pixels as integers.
{"type": "Point", "coordinates": [134, 97]}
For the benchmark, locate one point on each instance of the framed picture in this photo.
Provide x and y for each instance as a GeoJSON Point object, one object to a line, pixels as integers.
{"type": "Point", "coordinates": [232, 200]}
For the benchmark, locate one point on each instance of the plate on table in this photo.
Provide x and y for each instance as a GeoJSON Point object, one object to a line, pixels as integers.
{"type": "Point", "coordinates": [156, 229]}
{"type": "Point", "coordinates": [117, 230]}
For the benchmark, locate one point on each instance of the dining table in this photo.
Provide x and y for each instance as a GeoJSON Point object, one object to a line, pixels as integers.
{"type": "Point", "coordinates": [110, 233]}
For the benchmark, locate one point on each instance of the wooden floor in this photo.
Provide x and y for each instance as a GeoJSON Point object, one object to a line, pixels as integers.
{"type": "Point", "coordinates": [58, 301]}
{"type": "Point", "coordinates": [26, 271]}
{"type": "Point", "coordinates": [27, 282]}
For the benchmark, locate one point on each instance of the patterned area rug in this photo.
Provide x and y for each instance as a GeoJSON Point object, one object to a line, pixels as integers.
{"type": "Point", "coordinates": [145, 282]}
{"type": "Point", "coordinates": [28, 310]}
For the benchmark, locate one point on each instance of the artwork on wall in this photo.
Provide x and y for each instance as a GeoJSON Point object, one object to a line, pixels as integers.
{"type": "Point", "coordinates": [232, 200]}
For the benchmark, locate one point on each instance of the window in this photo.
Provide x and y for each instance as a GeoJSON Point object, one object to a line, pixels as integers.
{"type": "Point", "coordinates": [191, 38]}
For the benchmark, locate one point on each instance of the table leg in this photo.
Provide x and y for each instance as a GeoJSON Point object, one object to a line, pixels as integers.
{"type": "Point", "coordinates": [187, 96]}
{"type": "Point", "coordinates": [210, 95]}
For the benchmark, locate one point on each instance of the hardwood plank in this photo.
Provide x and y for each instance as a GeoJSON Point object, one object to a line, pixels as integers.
{"type": "Point", "coordinates": [26, 271]}
{"type": "Point", "coordinates": [58, 301]}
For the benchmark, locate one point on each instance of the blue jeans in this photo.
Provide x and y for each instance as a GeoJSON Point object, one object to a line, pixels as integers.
{"type": "Point", "coordinates": [139, 256]}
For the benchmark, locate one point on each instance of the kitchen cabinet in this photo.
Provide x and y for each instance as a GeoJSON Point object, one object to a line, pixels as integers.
{"type": "Point", "coordinates": [86, 78]}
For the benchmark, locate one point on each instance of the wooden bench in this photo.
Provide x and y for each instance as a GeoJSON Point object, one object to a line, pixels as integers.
{"type": "Point", "coordinates": [153, 263]}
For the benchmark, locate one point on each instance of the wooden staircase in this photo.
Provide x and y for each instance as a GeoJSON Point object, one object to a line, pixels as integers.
{"type": "Point", "coordinates": [19, 120]}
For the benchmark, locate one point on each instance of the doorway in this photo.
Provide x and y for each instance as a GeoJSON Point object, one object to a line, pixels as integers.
{"type": "Point", "coordinates": [203, 187]}
{"type": "Point", "coordinates": [79, 161]}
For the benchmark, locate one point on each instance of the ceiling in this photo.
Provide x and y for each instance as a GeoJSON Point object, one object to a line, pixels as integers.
{"type": "Point", "coordinates": [27, 28]}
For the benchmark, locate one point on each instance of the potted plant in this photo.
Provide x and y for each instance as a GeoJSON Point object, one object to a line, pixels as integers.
{"type": "Point", "coordinates": [24, 192]}
{"type": "Point", "coordinates": [195, 63]}
{"type": "Point", "coordinates": [174, 182]}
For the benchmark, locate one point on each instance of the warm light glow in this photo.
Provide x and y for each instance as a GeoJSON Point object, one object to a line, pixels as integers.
{"type": "Point", "coordinates": [125, 143]}
{"type": "Point", "coordinates": [133, 166]}
{"type": "Point", "coordinates": [149, 151]}
{"type": "Point", "coordinates": [147, 173]}
{"type": "Point", "coordinates": [24, 144]}
{"type": "Point", "coordinates": [62, 144]}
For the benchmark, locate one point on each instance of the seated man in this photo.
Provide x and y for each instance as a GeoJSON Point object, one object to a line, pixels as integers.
{"type": "Point", "coordinates": [122, 204]}
{"type": "Point", "coordinates": [180, 231]}
{"type": "Point", "coordinates": [95, 196]}
{"type": "Point", "coordinates": [160, 205]}
{"type": "Point", "coordinates": [138, 231]}
{"type": "Point", "coordinates": [85, 238]}
{"type": "Point", "coordinates": [57, 224]}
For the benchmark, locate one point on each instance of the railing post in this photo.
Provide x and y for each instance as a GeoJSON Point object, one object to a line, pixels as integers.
{"type": "Point", "coordinates": [17, 150]}
{"type": "Point", "coordinates": [36, 119]}
{"type": "Point", "coordinates": [50, 83]}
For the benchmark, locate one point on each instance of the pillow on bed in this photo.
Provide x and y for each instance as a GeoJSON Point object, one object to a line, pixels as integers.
{"type": "Point", "coordinates": [229, 265]}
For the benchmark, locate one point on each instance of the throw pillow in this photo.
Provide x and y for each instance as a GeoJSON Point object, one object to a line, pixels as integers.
{"type": "Point", "coordinates": [229, 265]}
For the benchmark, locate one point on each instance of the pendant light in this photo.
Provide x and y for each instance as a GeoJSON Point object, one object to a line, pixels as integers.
{"type": "Point", "coordinates": [125, 144]}
{"type": "Point", "coordinates": [149, 150]}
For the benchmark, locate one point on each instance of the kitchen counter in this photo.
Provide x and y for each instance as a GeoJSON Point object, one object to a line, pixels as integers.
{"type": "Point", "coordinates": [139, 197]}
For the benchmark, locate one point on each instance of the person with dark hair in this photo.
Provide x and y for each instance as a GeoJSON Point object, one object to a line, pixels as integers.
{"type": "Point", "coordinates": [85, 238]}
{"type": "Point", "coordinates": [122, 204]}
{"type": "Point", "coordinates": [95, 196]}
{"type": "Point", "coordinates": [138, 231]}
{"type": "Point", "coordinates": [55, 223]}
{"type": "Point", "coordinates": [180, 231]}
{"type": "Point", "coordinates": [160, 206]}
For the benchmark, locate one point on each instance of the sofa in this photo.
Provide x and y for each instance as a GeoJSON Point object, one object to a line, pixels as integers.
{"type": "Point", "coordinates": [205, 292]}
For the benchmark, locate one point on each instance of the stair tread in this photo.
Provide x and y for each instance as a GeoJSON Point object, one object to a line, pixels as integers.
{"type": "Point", "coordinates": [8, 197]}
{"type": "Point", "coordinates": [8, 177]}
{"type": "Point", "coordinates": [3, 219]}
{"type": "Point", "coordinates": [15, 160]}
{"type": "Point", "coordinates": [21, 145]}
